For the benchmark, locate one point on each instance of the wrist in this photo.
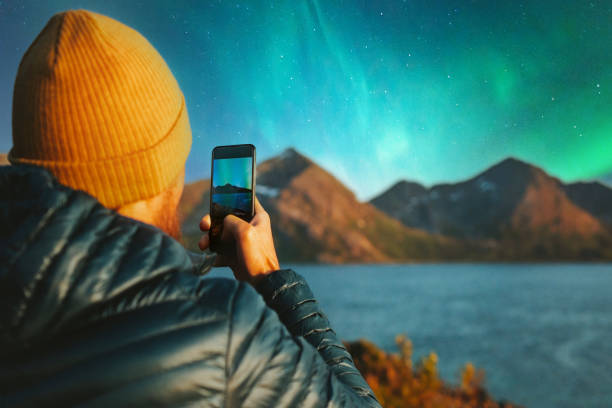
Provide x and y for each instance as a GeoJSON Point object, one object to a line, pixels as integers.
{"type": "Point", "coordinates": [258, 277]}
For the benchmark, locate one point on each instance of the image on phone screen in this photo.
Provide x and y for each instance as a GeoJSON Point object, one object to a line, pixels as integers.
{"type": "Point", "coordinates": [232, 191]}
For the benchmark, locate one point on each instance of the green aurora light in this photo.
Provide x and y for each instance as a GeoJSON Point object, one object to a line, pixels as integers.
{"type": "Point", "coordinates": [376, 91]}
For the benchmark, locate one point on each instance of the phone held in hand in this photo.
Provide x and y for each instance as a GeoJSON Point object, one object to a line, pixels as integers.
{"type": "Point", "coordinates": [232, 187]}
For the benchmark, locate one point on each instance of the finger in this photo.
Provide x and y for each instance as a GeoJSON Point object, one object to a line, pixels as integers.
{"type": "Point", "coordinates": [261, 215]}
{"type": "Point", "coordinates": [205, 223]}
{"type": "Point", "coordinates": [258, 207]}
{"type": "Point", "coordinates": [220, 259]}
{"type": "Point", "coordinates": [204, 242]}
{"type": "Point", "coordinates": [232, 228]}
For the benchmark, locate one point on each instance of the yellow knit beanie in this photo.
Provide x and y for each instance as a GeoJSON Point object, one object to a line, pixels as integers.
{"type": "Point", "coordinates": [96, 105]}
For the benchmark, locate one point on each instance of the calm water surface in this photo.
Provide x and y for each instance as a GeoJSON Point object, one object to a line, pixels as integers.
{"type": "Point", "coordinates": [234, 200]}
{"type": "Point", "coordinates": [543, 333]}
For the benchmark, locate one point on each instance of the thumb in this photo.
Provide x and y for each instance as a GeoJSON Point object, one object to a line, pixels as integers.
{"type": "Point", "coordinates": [258, 207]}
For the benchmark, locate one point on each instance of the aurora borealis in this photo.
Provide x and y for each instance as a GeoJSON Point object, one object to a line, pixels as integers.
{"type": "Point", "coordinates": [374, 91]}
{"type": "Point", "coordinates": [236, 171]}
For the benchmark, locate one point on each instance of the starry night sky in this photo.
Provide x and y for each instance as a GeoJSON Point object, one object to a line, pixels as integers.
{"type": "Point", "coordinates": [374, 91]}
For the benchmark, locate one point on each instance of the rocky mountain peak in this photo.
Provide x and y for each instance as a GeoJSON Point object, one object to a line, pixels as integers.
{"type": "Point", "coordinates": [510, 169]}
{"type": "Point", "coordinates": [409, 187]}
{"type": "Point", "coordinates": [278, 171]}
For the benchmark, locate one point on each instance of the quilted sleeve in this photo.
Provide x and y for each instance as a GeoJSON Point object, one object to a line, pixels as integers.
{"type": "Point", "coordinates": [287, 354]}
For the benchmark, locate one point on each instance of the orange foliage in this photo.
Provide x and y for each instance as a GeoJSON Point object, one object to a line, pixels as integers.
{"type": "Point", "coordinates": [397, 384]}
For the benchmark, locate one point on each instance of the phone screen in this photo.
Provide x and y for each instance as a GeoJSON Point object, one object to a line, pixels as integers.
{"type": "Point", "coordinates": [232, 185]}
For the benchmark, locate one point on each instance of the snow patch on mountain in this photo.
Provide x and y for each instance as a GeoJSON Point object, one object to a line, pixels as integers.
{"type": "Point", "coordinates": [484, 185]}
{"type": "Point", "coordinates": [267, 191]}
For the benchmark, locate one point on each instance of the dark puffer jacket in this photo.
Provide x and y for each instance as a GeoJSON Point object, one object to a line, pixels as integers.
{"type": "Point", "coordinates": [101, 310]}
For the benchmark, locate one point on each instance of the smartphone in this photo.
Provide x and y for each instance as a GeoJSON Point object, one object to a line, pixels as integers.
{"type": "Point", "coordinates": [232, 187]}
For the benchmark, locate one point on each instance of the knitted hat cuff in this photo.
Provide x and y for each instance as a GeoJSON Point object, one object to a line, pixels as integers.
{"type": "Point", "coordinates": [125, 179]}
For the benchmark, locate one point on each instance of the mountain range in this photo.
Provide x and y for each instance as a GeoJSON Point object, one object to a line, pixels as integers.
{"type": "Point", "coordinates": [227, 188]}
{"type": "Point", "coordinates": [512, 211]}
{"type": "Point", "coordinates": [519, 210]}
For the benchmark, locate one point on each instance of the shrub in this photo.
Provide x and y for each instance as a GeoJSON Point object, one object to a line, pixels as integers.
{"type": "Point", "coordinates": [397, 383]}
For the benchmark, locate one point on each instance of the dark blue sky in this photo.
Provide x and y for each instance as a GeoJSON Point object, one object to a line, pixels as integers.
{"type": "Point", "coordinates": [374, 91]}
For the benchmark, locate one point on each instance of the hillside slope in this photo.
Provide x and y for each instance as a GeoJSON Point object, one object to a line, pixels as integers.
{"type": "Point", "coordinates": [594, 197]}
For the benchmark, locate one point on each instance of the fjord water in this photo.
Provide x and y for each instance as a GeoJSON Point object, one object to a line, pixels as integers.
{"type": "Point", "coordinates": [543, 333]}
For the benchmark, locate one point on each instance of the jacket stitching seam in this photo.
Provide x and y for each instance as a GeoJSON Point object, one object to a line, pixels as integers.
{"type": "Point", "coordinates": [322, 347]}
{"type": "Point", "coordinates": [229, 338]}
{"type": "Point", "coordinates": [283, 288]}
{"type": "Point", "coordinates": [122, 258]}
{"type": "Point", "coordinates": [79, 273]}
{"type": "Point", "coordinates": [40, 275]}
{"type": "Point", "coordinates": [128, 309]}
{"type": "Point", "coordinates": [313, 331]}
{"type": "Point", "coordinates": [291, 309]}
{"type": "Point", "coordinates": [303, 318]}
{"type": "Point", "coordinates": [42, 223]}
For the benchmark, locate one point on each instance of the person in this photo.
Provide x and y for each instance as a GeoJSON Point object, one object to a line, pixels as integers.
{"type": "Point", "coordinates": [101, 305]}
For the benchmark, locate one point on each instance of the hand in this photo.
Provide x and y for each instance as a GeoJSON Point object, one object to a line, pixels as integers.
{"type": "Point", "coordinates": [252, 254]}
